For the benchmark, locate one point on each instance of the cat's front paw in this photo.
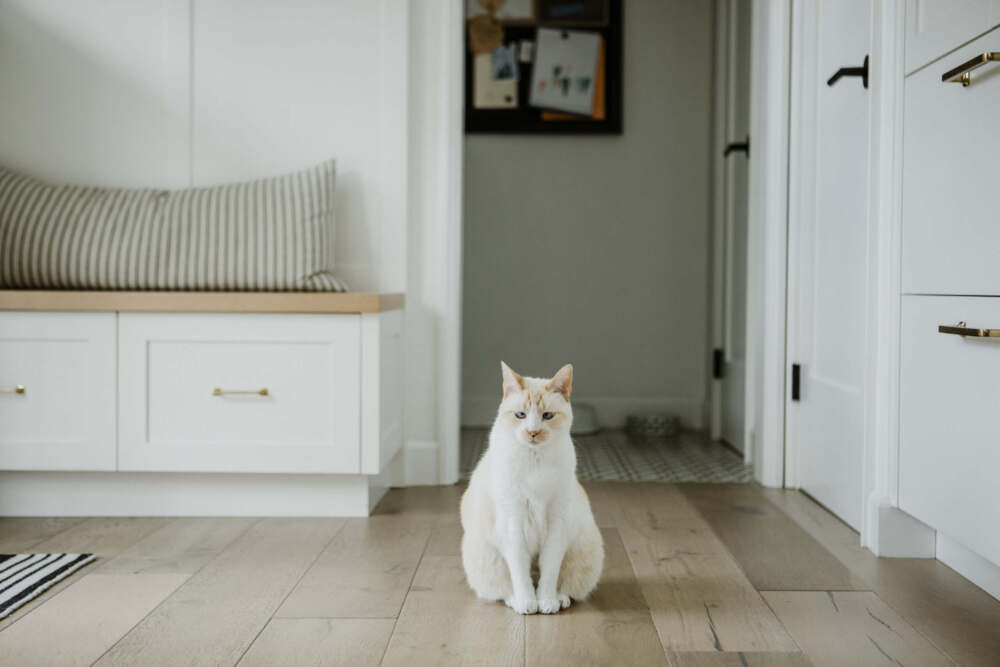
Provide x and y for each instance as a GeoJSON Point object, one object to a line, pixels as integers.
{"type": "Point", "coordinates": [550, 605]}
{"type": "Point", "coordinates": [522, 605]}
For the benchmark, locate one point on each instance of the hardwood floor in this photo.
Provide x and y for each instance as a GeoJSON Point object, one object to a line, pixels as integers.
{"type": "Point", "coordinates": [695, 575]}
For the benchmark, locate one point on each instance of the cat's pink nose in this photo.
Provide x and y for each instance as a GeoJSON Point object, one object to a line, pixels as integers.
{"type": "Point", "coordinates": [533, 434]}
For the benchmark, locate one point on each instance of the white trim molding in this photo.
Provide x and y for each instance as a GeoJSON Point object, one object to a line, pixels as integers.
{"type": "Point", "coordinates": [881, 400]}
{"type": "Point", "coordinates": [434, 271]}
{"type": "Point", "coordinates": [768, 240]}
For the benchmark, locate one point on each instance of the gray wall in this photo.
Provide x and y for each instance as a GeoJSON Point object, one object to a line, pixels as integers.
{"type": "Point", "coordinates": [594, 250]}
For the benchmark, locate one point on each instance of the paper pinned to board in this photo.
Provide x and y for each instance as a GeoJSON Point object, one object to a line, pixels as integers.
{"type": "Point", "coordinates": [599, 110]}
{"type": "Point", "coordinates": [565, 71]}
{"type": "Point", "coordinates": [494, 79]}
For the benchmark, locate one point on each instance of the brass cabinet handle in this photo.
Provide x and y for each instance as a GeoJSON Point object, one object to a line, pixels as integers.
{"type": "Point", "coordinates": [963, 330]}
{"type": "Point", "coordinates": [963, 73]}
{"type": "Point", "coordinates": [227, 392]}
{"type": "Point", "coordinates": [19, 389]}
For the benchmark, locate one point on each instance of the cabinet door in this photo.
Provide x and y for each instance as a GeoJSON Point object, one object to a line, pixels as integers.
{"type": "Point", "coordinates": [949, 449]}
{"type": "Point", "coordinates": [936, 27]}
{"type": "Point", "coordinates": [57, 391]}
{"type": "Point", "coordinates": [240, 393]}
{"type": "Point", "coordinates": [951, 143]}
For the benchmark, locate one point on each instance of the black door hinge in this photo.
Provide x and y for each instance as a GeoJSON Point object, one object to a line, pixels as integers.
{"type": "Point", "coordinates": [796, 381]}
{"type": "Point", "coordinates": [718, 363]}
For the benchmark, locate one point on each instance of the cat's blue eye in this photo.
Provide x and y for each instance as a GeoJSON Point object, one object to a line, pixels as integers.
{"type": "Point", "coordinates": [520, 415]}
{"type": "Point", "coordinates": [548, 415]}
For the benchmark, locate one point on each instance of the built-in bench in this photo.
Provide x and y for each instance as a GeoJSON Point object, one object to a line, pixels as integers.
{"type": "Point", "coordinates": [198, 403]}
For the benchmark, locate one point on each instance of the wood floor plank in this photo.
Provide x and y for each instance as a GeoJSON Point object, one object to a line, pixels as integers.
{"type": "Point", "coordinates": [738, 659]}
{"type": "Point", "coordinates": [774, 552]}
{"type": "Point", "coordinates": [454, 628]}
{"type": "Point", "coordinates": [602, 502]}
{"type": "Point", "coordinates": [613, 626]}
{"type": "Point", "coordinates": [443, 623]}
{"type": "Point", "coordinates": [320, 642]}
{"type": "Point", "coordinates": [85, 619]}
{"type": "Point", "coordinates": [960, 618]}
{"type": "Point", "coordinates": [182, 546]}
{"type": "Point", "coordinates": [699, 598]}
{"type": "Point", "coordinates": [214, 617]}
{"type": "Point", "coordinates": [21, 534]}
{"type": "Point", "coordinates": [105, 537]}
{"type": "Point", "coordinates": [441, 565]}
{"type": "Point", "coordinates": [365, 572]}
{"type": "Point", "coordinates": [852, 628]}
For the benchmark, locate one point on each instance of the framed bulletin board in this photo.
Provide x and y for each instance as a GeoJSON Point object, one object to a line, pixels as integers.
{"type": "Point", "coordinates": [543, 66]}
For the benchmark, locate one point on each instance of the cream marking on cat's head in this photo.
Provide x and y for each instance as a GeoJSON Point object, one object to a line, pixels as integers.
{"type": "Point", "coordinates": [536, 409]}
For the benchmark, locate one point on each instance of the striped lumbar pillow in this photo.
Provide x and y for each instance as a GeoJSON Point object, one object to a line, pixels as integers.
{"type": "Point", "coordinates": [274, 234]}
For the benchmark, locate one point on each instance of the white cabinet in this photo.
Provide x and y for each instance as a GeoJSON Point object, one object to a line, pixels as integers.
{"type": "Point", "coordinates": [57, 406]}
{"type": "Point", "coordinates": [950, 420]}
{"type": "Point", "coordinates": [951, 144]}
{"type": "Point", "coordinates": [240, 393]}
{"type": "Point", "coordinates": [200, 404]}
{"type": "Point", "coordinates": [935, 27]}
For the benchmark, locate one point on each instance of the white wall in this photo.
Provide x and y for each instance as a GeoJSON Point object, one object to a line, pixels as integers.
{"type": "Point", "coordinates": [594, 250]}
{"type": "Point", "coordinates": [172, 93]}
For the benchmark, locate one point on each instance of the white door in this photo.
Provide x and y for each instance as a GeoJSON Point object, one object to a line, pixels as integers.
{"type": "Point", "coordinates": [733, 97]}
{"type": "Point", "coordinates": [827, 272]}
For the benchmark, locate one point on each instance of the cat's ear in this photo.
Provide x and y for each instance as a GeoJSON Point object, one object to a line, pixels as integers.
{"type": "Point", "coordinates": [562, 381]}
{"type": "Point", "coordinates": [512, 382]}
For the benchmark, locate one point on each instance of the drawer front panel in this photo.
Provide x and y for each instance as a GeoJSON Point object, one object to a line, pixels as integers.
{"type": "Point", "coordinates": [950, 420]}
{"type": "Point", "coordinates": [63, 418]}
{"type": "Point", "coordinates": [240, 393]}
{"type": "Point", "coordinates": [936, 27]}
{"type": "Point", "coordinates": [951, 144]}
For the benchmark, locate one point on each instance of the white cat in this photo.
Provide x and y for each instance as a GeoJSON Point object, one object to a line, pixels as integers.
{"type": "Point", "coordinates": [524, 503]}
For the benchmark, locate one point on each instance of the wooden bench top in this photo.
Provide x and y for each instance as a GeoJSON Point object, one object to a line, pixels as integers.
{"type": "Point", "coordinates": [199, 302]}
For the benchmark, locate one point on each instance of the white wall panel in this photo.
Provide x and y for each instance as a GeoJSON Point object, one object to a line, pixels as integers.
{"type": "Point", "coordinates": [95, 91]}
{"type": "Point", "coordinates": [279, 86]}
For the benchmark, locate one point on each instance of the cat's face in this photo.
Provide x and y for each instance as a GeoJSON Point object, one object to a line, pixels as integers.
{"type": "Point", "coordinates": [536, 409]}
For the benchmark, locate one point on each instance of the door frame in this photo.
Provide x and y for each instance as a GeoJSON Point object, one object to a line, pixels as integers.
{"type": "Point", "coordinates": [767, 237]}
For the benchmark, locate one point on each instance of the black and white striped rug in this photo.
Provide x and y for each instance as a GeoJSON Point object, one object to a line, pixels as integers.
{"type": "Point", "coordinates": [25, 576]}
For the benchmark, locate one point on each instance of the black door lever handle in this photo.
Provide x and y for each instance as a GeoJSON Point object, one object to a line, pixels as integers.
{"type": "Point", "coordinates": [737, 146]}
{"type": "Point", "coordinates": [851, 71]}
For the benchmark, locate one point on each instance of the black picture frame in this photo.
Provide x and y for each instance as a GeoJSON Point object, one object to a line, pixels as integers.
{"type": "Point", "coordinates": [528, 120]}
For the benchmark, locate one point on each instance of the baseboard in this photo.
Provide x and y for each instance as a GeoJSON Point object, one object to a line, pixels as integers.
{"type": "Point", "coordinates": [969, 564]}
{"type": "Point", "coordinates": [420, 463]}
{"type": "Point", "coordinates": [611, 411]}
{"type": "Point", "coordinates": [899, 535]}
{"type": "Point", "coordinates": [184, 494]}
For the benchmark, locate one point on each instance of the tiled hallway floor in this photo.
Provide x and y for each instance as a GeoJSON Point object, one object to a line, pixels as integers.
{"type": "Point", "coordinates": [613, 455]}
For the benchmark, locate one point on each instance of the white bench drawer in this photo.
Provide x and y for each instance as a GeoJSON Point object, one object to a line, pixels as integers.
{"type": "Point", "coordinates": [951, 144]}
{"type": "Point", "coordinates": [950, 420]}
{"type": "Point", "coordinates": [181, 408]}
{"type": "Point", "coordinates": [64, 419]}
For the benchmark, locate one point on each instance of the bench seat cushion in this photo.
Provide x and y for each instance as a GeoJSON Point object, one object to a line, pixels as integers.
{"type": "Point", "coordinates": [274, 234]}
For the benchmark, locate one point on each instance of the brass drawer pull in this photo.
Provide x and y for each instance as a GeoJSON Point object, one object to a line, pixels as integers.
{"type": "Point", "coordinates": [963, 330]}
{"type": "Point", "coordinates": [228, 392]}
{"type": "Point", "coordinates": [19, 389]}
{"type": "Point", "coordinates": [963, 73]}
